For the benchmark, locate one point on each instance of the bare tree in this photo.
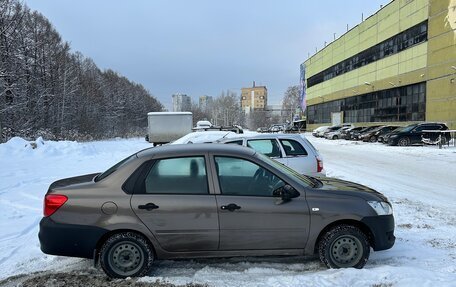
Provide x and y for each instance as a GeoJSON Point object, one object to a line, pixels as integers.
{"type": "Point", "coordinates": [226, 110]}
{"type": "Point", "coordinates": [290, 103]}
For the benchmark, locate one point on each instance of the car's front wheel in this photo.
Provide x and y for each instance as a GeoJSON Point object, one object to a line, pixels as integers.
{"type": "Point", "coordinates": [373, 139]}
{"type": "Point", "coordinates": [403, 141]}
{"type": "Point", "coordinates": [126, 254]}
{"type": "Point", "coordinates": [344, 246]}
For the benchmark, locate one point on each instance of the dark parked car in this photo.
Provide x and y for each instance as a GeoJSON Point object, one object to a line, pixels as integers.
{"type": "Point", "coordinates": [348, 134]}
{"type": "Point", "coordinates": [414, 134]}
{"type": "Point", "coordinates": [357, 134]}
{"type": "Point", "coordinates": [372, 135]}
{"type": "Point", "coordinates": [384, 137]}
{"type": "Point", "coordinates": [217, 200]}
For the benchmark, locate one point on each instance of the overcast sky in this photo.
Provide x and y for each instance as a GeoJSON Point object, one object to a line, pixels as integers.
{"type": "Point", "coordinates": [201, 47]}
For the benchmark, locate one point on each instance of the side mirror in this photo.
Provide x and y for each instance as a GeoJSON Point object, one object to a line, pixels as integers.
{"type": "Point", "coordinates": [286, 193]}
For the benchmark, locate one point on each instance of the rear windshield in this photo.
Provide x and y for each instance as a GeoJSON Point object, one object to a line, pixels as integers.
{"type": "Point", "coordinates": [114, 168]}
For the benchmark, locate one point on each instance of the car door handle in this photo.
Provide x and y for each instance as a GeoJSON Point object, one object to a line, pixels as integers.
{"type": "Point", "coordinates": [149, 206]}
{"type": "Point", "coordinates": [230, 207]}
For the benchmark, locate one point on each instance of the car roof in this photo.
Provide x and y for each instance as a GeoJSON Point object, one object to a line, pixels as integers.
{"type": "Point", "coordinates": [189, 149]}
{"type": "Point", "coordinates": [264, 136]}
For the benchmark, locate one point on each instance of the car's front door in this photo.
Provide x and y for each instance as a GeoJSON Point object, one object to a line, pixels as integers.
{"type": "Point", "coordinates": [172, 199]}
{"type": "Point", "coordinates": [250, 217]}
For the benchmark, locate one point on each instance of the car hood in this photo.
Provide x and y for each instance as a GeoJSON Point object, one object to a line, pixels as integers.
{"type": "Point", "coordinates": [350, 188]}
{"type": "Point", "coordinates": [72, 181]}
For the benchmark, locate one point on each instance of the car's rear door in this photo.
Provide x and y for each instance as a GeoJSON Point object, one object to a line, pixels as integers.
{"type": "Point", "coordinates": [297, 157]}
{"type": "Point", "coordinates": [172, 198]}
{"type": "Point", "coordinates": [250, 217]}
{"type": "Point", "coordinates": [269, 147]}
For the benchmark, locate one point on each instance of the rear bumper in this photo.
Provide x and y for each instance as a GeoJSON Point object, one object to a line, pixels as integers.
{"type": "Point", "coordinates": [68, 239]}
{"type": "Point", "coordinates": [382, 228]}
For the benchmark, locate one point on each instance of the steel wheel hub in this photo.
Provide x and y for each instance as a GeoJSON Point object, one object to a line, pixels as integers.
{"type": "Point", "coordinates": [126, 258]}
{"type": "Point", "coordinates": [346, 251]}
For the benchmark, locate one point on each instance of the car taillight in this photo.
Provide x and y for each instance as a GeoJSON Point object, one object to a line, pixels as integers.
{"type": "Point", "coordinates": [52, 202]}
{"type": "Point", "coordinates": [319, 165]}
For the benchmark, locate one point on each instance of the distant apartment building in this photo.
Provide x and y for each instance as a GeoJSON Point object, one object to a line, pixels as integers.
{"type": "Point", "coordinates": [254, 98]}
{"type": "Point", "coordinates": [181, 103]}
{"type": "Point", "coordinates": [205, 102]}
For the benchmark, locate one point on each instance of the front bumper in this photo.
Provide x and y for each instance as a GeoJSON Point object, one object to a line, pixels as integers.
{"type": "Point", "coordinates": [393, 141]}
{"type": "Point", "coordinates": [68, 239]}
{"type": "Point", "coordinates": [382, 229]}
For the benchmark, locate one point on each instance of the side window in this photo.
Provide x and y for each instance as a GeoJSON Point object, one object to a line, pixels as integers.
{"type": "Point", "coordinates": [267, 147]}
{"type": "Point", "coordinates": [241, 177]}
{"type": "Point", "coordinates": [434, 127]}
{"type": "Point", "coordinates": [239, 142]}
{"type": "Point", "coordinates": [186, 175]}
{"type": "Point", "coordinates": [421, 128]}
{"type": "Point", "coordinates": [293, 148]}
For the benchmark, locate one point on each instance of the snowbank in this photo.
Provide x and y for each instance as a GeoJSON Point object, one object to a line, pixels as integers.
{"type": "Point", "coordinates": [420, 181]}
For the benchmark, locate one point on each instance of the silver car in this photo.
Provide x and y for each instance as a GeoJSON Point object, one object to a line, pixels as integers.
{"type": "Point", "coordinates": [293, 150]}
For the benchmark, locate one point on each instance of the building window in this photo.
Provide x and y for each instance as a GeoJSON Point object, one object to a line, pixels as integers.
{"type": "Point", "coordinates": [406, 103]}
{"type": "Point", "coordinates": [404, 40]}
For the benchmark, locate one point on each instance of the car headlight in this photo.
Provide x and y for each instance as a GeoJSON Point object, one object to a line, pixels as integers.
{"type": "Point", "coordinates": [381, 207]}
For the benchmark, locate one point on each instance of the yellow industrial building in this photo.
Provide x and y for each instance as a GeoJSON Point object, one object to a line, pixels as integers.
{"type": "Point", "coordinates": [397, 66]}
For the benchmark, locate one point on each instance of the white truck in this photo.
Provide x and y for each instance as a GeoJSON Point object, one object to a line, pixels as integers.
{"type": "Point", "coordinates": [165, 127]}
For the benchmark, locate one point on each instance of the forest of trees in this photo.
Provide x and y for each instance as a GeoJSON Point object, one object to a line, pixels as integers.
{"type": "Point", "coordinates": [46, 89]}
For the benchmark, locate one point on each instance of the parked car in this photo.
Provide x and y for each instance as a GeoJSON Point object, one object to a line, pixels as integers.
{"type": "Point", "coordinates": [318, 132]}
{"type": "Point", "coordinates": [292, 150]}
{"type": "Point", "coordinates": [414, 134]}
{"type": "Point", "coordinates": [335, 128]}
{"type": "Point", "coordinates": [204, 137]}
{"type": "Point", "coordinates": [384, 137]}
{"type": "Point", "coordinates": [357, 134]}
{"type": "Point", "coordinates": [262, 130]}
{"type": "Point", "coordinates": [296, 127]}
{"type": "Point", "coordinates": [210, 200]}
{"type": "Point", "coordinates": [275, 128]}
{"type": "Point", "coordinates": [348, 134]}
{"type": "Point", "coordinates": [337, 134]}
{"type": "Point", "coordinates": [372, 135]}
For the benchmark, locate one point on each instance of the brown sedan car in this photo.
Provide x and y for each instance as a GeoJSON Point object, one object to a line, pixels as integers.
{"type": "Point", "coordinates": [210, 200]}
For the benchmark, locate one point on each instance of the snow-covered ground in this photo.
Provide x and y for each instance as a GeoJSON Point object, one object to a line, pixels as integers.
{"type": "Point", "coordinates": [420, 181]}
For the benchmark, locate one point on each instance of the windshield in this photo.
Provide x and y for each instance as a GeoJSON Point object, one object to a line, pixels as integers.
{"type": "Point", "coordinates": [113, 168]}
{"type": "Point", "coordinates": [306, 181]}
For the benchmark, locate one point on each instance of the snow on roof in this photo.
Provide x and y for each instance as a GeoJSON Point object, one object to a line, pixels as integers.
{"type": "Point", "coordinates": [168, 113]}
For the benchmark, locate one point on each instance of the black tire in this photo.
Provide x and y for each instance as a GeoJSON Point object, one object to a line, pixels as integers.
{"type": "Point", "coordinates": [335, 138]}
{"type": "Point", "coordinates": [344, 246]}
{"type": "Point", "coordinates": [126, 254]}
{"type": "Point", "coordinates": [443, 141]}
{"type": "Point", "coordinates": [373, 139]}
{"type": "Point", "coordinates": [405, 141]}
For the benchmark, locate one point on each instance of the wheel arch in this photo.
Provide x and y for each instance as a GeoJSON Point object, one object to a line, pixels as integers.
{"type": "Point", "coordinates": [363, 227]}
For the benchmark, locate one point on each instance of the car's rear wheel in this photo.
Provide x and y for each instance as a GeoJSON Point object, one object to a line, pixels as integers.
{"type": "Point", "coordinates": [403, 141]}
{"type": "Point", "coordinates": [443, 140]}
{"type": "Point", "coordinates": [126, 254]}
{"type": "Point", "coordinates": [344, 246]}
{"type": "Point", "coordinates": [335, 138]}
{"type": "Point", "coordinates": [373, 139]}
